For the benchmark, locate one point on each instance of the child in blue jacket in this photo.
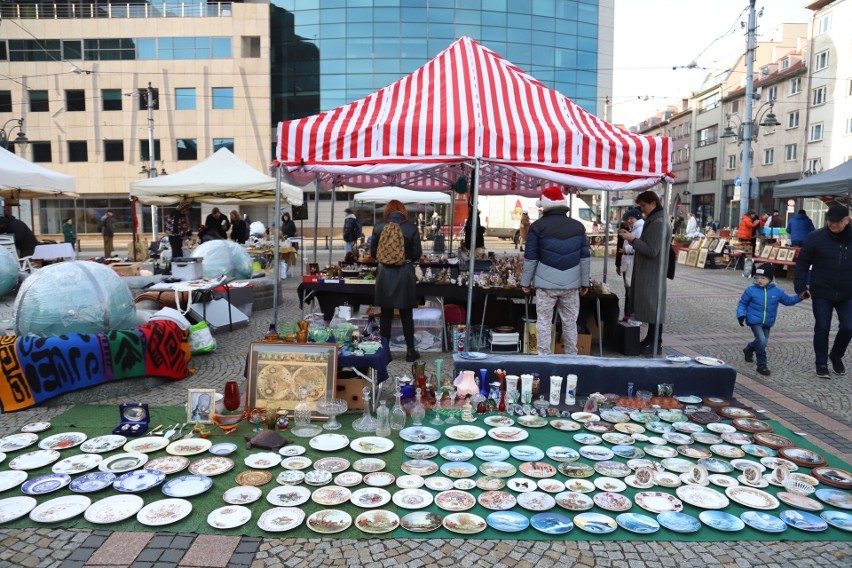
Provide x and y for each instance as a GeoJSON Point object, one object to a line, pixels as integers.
{"type": "Point", "coordinates": [758, 307]}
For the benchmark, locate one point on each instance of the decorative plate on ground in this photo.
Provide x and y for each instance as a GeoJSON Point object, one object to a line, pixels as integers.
{"type": "Point", "coordinates": [833, 476]}
{"type": "Point", "coordinates": [688, 427]}
{"type": "Point", "coordinates": [702, 497]}
{"type": "Point", "coordinates": [803, 521]}
{"type": "Point", "coordinates": [637, 523]}
{"type": "Point", "coordinates": [742, 464]}
{"type": "Point", "coordinates": [348, 479]}
{"type": "Point", "coordinates": [168, 464]}
{"type": "Point", "coordinates": [253, 477]}
{"type": "Point", "coordinates": [60, 509]}
{"type": "Point", "coordinates": [721, 521]}
{"type": "Point", "coordinates": [707, 438]}
{"type": "Point", "coordinates": [763, 522]}
{"type": "Point", "coordinates": [419, 434]}
{"type": "Point", "coordinates": [454, 500]}
{"type": "Point", "coordinates": [294, 477]}
{"type": "Point", "coordinates": [420, 521]}
{"type": "Point", "coordinates": [721, 428]}
{"type": "Point", "coordinates": [456, 452]}
{"type": "Point", "coordinates": [628, 452]}
{"type": "Point", "coordinates": [660, 451]}
{"type": "Point", "coordinates": [774, 463]}
{"type": "Point", "coordinates": [280, 519]}
{"type": "Point", "coordinates": [715, 465]}
{"type": "Point", "coordinates": [139, 480]}
{"type": "Point", "coordinates": [799, 501]}
{"type": "Point", "coordinates": [629, 428]}
{"type": "Point", "coordinates": [573, 501]}
{"type": "Point", "coordinates": [457, 470]}
{"type": "Point", "coordinates": [579, 485]}
{"type": "Point", "coordinates": [329, 521]}
{"type": "Point", "coordinates": [498, 421]}
{"type": "Point", "coordinates": [438, 483]}
{"type": "Point", "coordinates": [658, 502]}
{"type": "Point", "coordinates": [491, 453]}
{"type": "Point", "coordinates": [35, 427]}
{"type": "Point", "coordinates": [694, 452]}
{"type": "Point", "coordinates": [62, 441]}
{"type": "Point", "coordinates": [584, 417]}
{"type": "Point", "coordinates": [727, 451]}
{"type": "Point", "coordinates": [774, 441]}
{"type": "Point", "coordinates": [551, 485]}
{"type": "Point", "coordinates": [618, 439]}
{"type": "Point", "coordinates": [737, 438]}
{"type": "Point", "coordinates": [146, 444]}
{"type": "Point", "coordinates": [242, 495]}
{"type": "Point", "coordinates": [45, 483]}
{"type": "Point", "coordinates": [614, 416]}
{"type": "Point", "coordinates": [421, 451]}
{"type": "Point", "coordinates": [223, 449]}
{"type": "Point", "coordinates": [296, 462]}
{"type": "Point", "coordinates": [371, 445]}
{"type": "Point", "coordinates": [371, 497]}
{"type": "Point", "coordinates": [642, 479]}
{"type": "Point", "coordinates": [802, 457]}
{"type": "Point", "coordinates": [507, 521]}
{"type": "Point", "coordinates": [610, 484]}
{"type": "Point", "coordinates": [565, 425]}
{"type": "Point", "coordinates": [412, 498]}
{"type": "Point", "coordinates": [735, 412]}
{"type": "Point", "coordinates": [329, 442]}
{"type": "Point", "coordinates": [77, 464]}
{"type": "Point", "coordinates": [10, 479]}
{"type": "Point", "coordinates": [522, 485]}
{"type": "Point", "coordinates": [464, 523]}
{"type": "Point", "coordinates": [113, 509]}
{"type": "Point", "coordinates": [526, 453]}
{"type": "Point", "coordinates": [612, 501]}
{"type": "Point", "coordinates": [677, 438]}
{"type": "Point", "coordinates": [551, 523]}
{"type": "Point", "coordinates": [838, 519]}
{"type": "Point", "coordinates": [495, 500]}
{"type": "Point", "coordinates": [382, 478]}
{"type": "Point", "coordinates": [464, 433]}
{"type": "Point", "coordinates": [419, 467]}
{"type": "Point", "coordinates": [536, 501]}
{"type": "Point", "coordinates": [188, 447]}
{"type": "Point", "coordinates": [679, 522]}
{"type": "Point", "coordinates": [536, 470]}
{"type": "Point", "coordinates": [587, 439]}
{"type": "Point", "coordinates": [667, 479]}
{"type": "Point", "coordinates": [287, 451]}
{"type": "Point", "coordinates": [369, 465]}
{"type": "Point", "coordinates": [612, 469]}
{"type": "Point", "coordinates": [187, 486]}
{"type": "Point", "coordinates": [103, 444]}
{"type": "Point", "coordinates": [597, 453]}
{"type": "Point", "coordinates": [598, 427]}
{"type": "Point", "coordinates": [210, 466]}
{"type": "Point", "coordinates": [265, 460]}
{"type": "Point", "coordinates": [704, 417]}
{"type": "Point", "coordinates": [532, 421]}
{"type": "Point", "coordinates": [332, 464]}
{"type": "Point", "coordinates": [575, 469]}
{"type": "Point", "coordinates": [317, 477]}
{"type": "Point", "coordinates": [464, 484]}
{"type": "Point", "coordinates": [751, 425]}
{"type": "Point", "coordinates": [331, 495]}
{"type": "Point", "coordinates": [34, 459]}
{"type": "Point", "coordinates": [595, 523]}
{"type": "Point", "coordinates": [377, 522]}
{"type": "Point", "coordinates": [92, 482]}
{"type": "Point", "coordinates": [229, 517]}
{"type": "Point", "coordinates": [758, 451]}
{"type": "Point", "coordinates": [751, 497]}
{"type": "Point", "coordinates": [562, 454]}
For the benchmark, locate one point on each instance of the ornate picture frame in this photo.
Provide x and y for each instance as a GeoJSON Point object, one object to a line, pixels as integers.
{"type": "Point", "coordinates": [692, 259]}
{"type": "Point", "coordinates": [702, 258]}
{"type": "Point", "coordinates": [199, 405]}
{"type": "Point", "coordinates": [682, 255]}
{"type": "Point", "coordinates": [277, 370]}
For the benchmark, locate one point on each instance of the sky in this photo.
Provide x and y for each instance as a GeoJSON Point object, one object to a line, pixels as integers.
{"type": "Point", "coordinates": [653, 36]}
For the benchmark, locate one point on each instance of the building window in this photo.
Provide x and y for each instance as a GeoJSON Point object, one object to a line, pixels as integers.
{"type": "Point", "coordinates": [814, 166]}
{"type": "Point", "coordinates": [818, 96]}
{"type": "Point", "coordinates": [187, 149]}
{"type": "Point", "coordinates": [785, 63]}
{"type": "Point", "coordinates": [705, 170]}
{"type": "Point", "coordinates": [731, 162]}
{"type": "Point", "coordinates": [816, 132]}
{"type": "Point", "coordinates": [39, 101]}
{"type": "Point", "coordinates": [143, 99]}
{"type": "Point", "coordinates": [709, 103]}
{"type": "Point", "coordinates": [113, 150]}
{"type": "Point", "coordinates": [768, 156]}
{"type": "Point", "coordinates": [112, 99]}
{"type": "Point", "coordinates": [795, 86]}
{"type": "Point", "coordinates": [824, 24]}
{"type": "Point", "coordinates": [5, 101]}
{"type": "Point", "coordinates": [250, 47]}
{"type": "Point", "coordinates": [144, 153]}
{"type": "Point", "coordinates": [707, 136]}
{"type": "Point", "coordinates": [78, 151]}
{"type": "Point", "coordinates": [41, 152]}
{"type": "Point", "coordinates": [821, 60]}
{"type": "Point", "coordinates": [223, 143]}
{"type": "Point", "coordinates": [75, 100]}
{"type": "Point", "coordinates": [109, 49]}
{"type": "Point", "coordinates": [223, 98]}
{"type": "Point", "coordinates": [790, 152]}
{"type": "Point", "coordinates": [793, 119]}
{"type": "Point", "coordinates": [772, 93]}
{"type": "Point", "coordinates": [735, 106]}
{"type": "Point", "coordinates": [185, 99]}
{"type": "Point", "coordinates": [849, 126]}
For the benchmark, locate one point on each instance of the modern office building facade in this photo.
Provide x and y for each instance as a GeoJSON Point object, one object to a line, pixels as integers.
{"type": "Point", "coordinates": [224, 74]}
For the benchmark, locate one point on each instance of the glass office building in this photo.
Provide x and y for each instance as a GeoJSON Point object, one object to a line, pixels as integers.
{"type": "Point", "coordinates": [326, 53]}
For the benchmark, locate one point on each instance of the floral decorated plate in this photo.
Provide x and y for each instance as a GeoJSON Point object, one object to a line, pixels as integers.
{"type": "Point", "coordinates": [188, 447]}
{"type": "Point", "coordinates": [702, 497]}
{"type": "Point", "coordinates": [348, 479]}
{"type": "Point", "coordinates": [229, 517]}
{"type": "Point", "coordinates": [412, 498]}
{"type": "Point", "coordinates": [658, 502]}
{"type": "Point", "coordinates": [113, 509]}
{"type": "Point", "coordinates": [595, 523]}
{"type": "Point", "coordinates": [211, 466]}
{"type": "Point", "coordinates": [187, 486]}
{"type": "Point", "coordinates": [34, 459]}
{"type": "Point", "coordinates": [103, 444]}
{"type": "Point", "coordinates": [146, 444]}
{"type": "Point", "coordinates": [492, 453]}
{"type": "Point", "coordinates": [265, 460]}
{"type": "Point", "coordinates": [242, 495]}
{"type": "Point", "coordinates": [169, 464]}
{"type": "Point", "coordinates": [377, 522]}
{"type": "Point", "coordinates": [280, 519]}
{"type": "Point", "coordinates": [91, 482]}
{"type": "Point", "coordinates": [421, 451]}
{"type": "Point", "coordinates": [332, 464]}
{"type": "Point", "coordinates": [464, 523]}
{"type": "Point", "coordinates": [371, 445]}
{"type": "Point", "coordinates": [296, 462]}
{"type": "Point", "coordinates": [331, 495]}
{"type": "Point", "coordinates": [370, 497]}
{"type": "Point", "coordinates": [438, 483]}
{"type": "Point", "coordinates": [421, 521]}
{"type": "Point", "coordinates": [573, 501]}
{"type": "Point", "coordinates": [455, 500]}
{"type": "Point", "coordinates": [496, 500]}
{"type": "Point", "coordinates": [62, 441]}
{"type": "Point", "coordinates": [612, 501]}
{"type": "Point", "coordinates": [536, 501]}
{"type": "Point", "coordinates": [77, 464]}
{"type": "Point", "coordinates": [60, 509]}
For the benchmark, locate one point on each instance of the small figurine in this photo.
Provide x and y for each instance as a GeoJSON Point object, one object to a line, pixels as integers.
{"type": "Point", "coordinates": [467, 410]}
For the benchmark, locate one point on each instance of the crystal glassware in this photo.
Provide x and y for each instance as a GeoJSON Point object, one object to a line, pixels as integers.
{"type": "Point", "coordinates": [383, 420]}
{"type": "Point", "coordinates": [302, 418]}
{"type": "Point", "coordinates": [366, 423]}
{"type": "Point", "coordinates": [231, 398]}
{"type": "Point", "coordinates": [417, 411]}
{"type": "Point", "coordinates": [397, 414]}
{"type": "Point", "coordinates": [451, 414]}
{"type": "Point", "coordinates": [436, 416]}
{"type": "Point", "coordinates": [332, 407]}
{"type": "Point", "coordinates": [258, 418]}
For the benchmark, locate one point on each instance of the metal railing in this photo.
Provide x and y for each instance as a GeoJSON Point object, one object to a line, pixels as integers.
{"type": "Point", "coordinates": [111, 10]}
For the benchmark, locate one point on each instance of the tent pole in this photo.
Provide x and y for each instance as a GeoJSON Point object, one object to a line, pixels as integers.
{"type": "Point", "coordinates": [472, 254]}
{"type": "Point", "coordinates": [316, 214]}
{"type": "Point", "coordinates": [276, 253]}
{"type": "Point", "coordinates": [331, 223]}
{"type": "Point", "coordinates": [605, 219]}
{"type": "Point", "coordinates": [663, 269]}
{"type": "Point", "coordinates": [452, 214]}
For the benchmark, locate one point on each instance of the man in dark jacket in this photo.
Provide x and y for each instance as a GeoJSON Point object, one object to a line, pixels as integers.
{"type": "Point", "coordinates": [25, 241]}
{"type": "Point", "coordinates": [799, 227]}
{"type": "Point", "coordinates": [826, 253]}
{"type": "Point", "coordinates": [556, 263]}
{"type": "Point", "coordinates": [217, 226]}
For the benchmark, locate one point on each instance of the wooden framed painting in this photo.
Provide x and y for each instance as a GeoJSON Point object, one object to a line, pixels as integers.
{"type": "Point", "coordinates": [758, 249]}
{"type": "Point", "coordinates": [702, 258]}
{"type": "Point", "coordinates": [791, 255]}
{"type": "Point", "coordinates": [681, 256]}
{"type": "Point", "coordinates": [782, 254]}
{"type": "Point", "coordinates": [773, 253]}
{"type": "Point", "coordinates": [720, 245]}
{"type": "Point", "coordinates": [692, 259]}
{"type": "Point", "coordinates": [707, 242]}
{"type": "Point", "coordinates": [695, 244]}
{"type": "Point", "coordinates": [277, 372]}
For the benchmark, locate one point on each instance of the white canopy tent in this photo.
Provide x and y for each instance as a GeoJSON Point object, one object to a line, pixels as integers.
{"type": "Point", "coordinates": [385, 194]}
{"type": "Point", "coordinates": [22, 179]}
{"type": "Point", "coordinates": [222, 178]}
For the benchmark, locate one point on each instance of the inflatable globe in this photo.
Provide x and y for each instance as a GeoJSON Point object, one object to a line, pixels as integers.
{"type": "Point", "coordinates": [8, 271]}
{"type": "Point", "coordinates": [223, 257]}
{"type": "Point", "coordinates": [73, 297]}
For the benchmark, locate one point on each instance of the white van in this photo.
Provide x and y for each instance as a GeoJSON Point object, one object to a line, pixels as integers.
{"type": "Point", "coordinates": [501, 214]}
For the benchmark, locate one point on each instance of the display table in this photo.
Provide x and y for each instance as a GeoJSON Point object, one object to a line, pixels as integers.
{"type": "Point", "coordinates": [287, 254]}
{"type": "Point", "coordinates": [611, 375]}
{"type": "Point", "coordinates": [61, 251]}
{"type": "Point", "coordinates": [377, 363]}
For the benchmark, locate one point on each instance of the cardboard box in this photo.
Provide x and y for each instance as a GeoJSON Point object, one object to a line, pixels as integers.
{"type": "Point", "coordinates": [584, 345]}
{"type": "Point", "coordinates": [126, 268]}
{"type": "Point", "coordinates": [350, 387]}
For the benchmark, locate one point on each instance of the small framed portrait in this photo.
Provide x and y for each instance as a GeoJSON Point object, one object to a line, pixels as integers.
{"type": "Point", "coordinates": [720, 245]}
{"type": "Point", "coordinates": [769, 252]}
{"type": "Point", "coordinates": [695, 244]}
{"type": "Point", "coordinates": [706, 243]}
{"type": "Point", "coordinates": [782, 254]}
{"type": "Point", "coordinates": [692, 259]}
{"type": "Point", "coordinates": [791, 254]}
{"type": "Point", "coordinates": [199, 405]}
{"type": "Point", "coordinates": [773, 253]}
{"type": "Point", "coordinates": [682, 256]}
{"type": "Point", "coordinates": [702, 258]}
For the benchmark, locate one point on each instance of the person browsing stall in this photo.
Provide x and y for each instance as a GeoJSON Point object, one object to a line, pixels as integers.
{"type": "Point", "coordinates": [799, 226]}
{"type": "Point", "coordinates": [557, 262]}
{"type": "Point", "coordinates": [758, 308]}
{"type": "Point", "coordinates": [395, 244]}
{"type": "Point", "coordinates": [635, 223]}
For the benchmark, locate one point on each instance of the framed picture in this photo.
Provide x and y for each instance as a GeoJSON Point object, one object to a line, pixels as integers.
{"type": "Point", "coordinates": [707, 242]}
{"type": "Point", "coordinates": [277, 371]}
{"type": "Point", "coordinates": [695, 244]}
{"type": "Point", "coordinates": [782, 254]}
{"type": "Point", "coordinates": [692, 259]}
{"type": "Point", "coordinates": [791, 255]}
{"type": "Point", "coordinates": [702, 258]}
{"type": "Point", "coordinates": [199, 403]}
{"type": "Point", "coordinates": [773, 253]}
{"type": "Point", "coordinates": [720, 246]}
{"type": "Point", "coordinates": [681, 256]}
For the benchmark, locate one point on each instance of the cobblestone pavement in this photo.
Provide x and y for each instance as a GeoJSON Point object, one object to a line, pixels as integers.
{"type": "Point", "coordinates": [701, 320]}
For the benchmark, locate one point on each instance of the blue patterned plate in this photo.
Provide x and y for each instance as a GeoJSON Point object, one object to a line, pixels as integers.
{"type": "Point", "coordinates": [803, 521]}
{"type": "Point", "coordinates": [187, 486]}
{"type": "Point", "coordinates": [92, 482]}
{"type": "Point", "coordinates": [46, 483]}
{"type": "Point", "coordinates": [507, 521]}
{"type": "Point", "coordinates": [551, 523]}
{"type": "Point", "coordinates": [139, 480]}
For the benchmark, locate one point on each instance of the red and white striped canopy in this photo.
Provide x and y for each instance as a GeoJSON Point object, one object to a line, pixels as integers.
{"type": "Point", "coordinates": [469, 103]}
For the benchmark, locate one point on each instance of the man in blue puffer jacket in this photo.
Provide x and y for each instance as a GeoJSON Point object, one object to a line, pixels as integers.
{"type": "Point", "coordinates": [556, 264]}
{"type": "Point", "coordinates": [758, 308]}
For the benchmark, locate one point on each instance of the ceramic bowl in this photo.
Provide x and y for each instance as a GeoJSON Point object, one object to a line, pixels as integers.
{"type": "Point", "coordinates": [369, 347]}
{"type": "Point", "coordinates": [800, 487]}
{"type": "Point", "coordinates": [678, 359]}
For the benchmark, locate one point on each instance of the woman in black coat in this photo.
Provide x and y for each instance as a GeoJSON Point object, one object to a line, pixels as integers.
{"type": "Point", "coordinates": [396, 286]}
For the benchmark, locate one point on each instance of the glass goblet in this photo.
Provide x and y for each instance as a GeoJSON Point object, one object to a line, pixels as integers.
{"type": "Point", "coordinates": [257, 417]}
{"type": "Point", "coordinates": [331, 407]}
{"type": "Point", "coordinates": [436, 418]}
{"type": "Point", "coordinates": [451, 414]}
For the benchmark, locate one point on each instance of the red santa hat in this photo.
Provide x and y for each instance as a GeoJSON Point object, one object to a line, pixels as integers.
{"type": "Point", "coordinates": [552, 197]}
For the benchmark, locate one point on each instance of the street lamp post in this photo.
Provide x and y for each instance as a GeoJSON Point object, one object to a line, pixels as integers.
{"type": "Point", "coordinates": [20, 139]}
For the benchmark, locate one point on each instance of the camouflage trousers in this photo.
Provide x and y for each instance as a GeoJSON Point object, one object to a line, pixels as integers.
{"type": "Point", "coordinates": [568, 303]}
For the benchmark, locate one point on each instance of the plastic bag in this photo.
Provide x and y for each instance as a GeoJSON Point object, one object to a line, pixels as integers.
{"type": "Point", "coordinates": [200, 339]}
